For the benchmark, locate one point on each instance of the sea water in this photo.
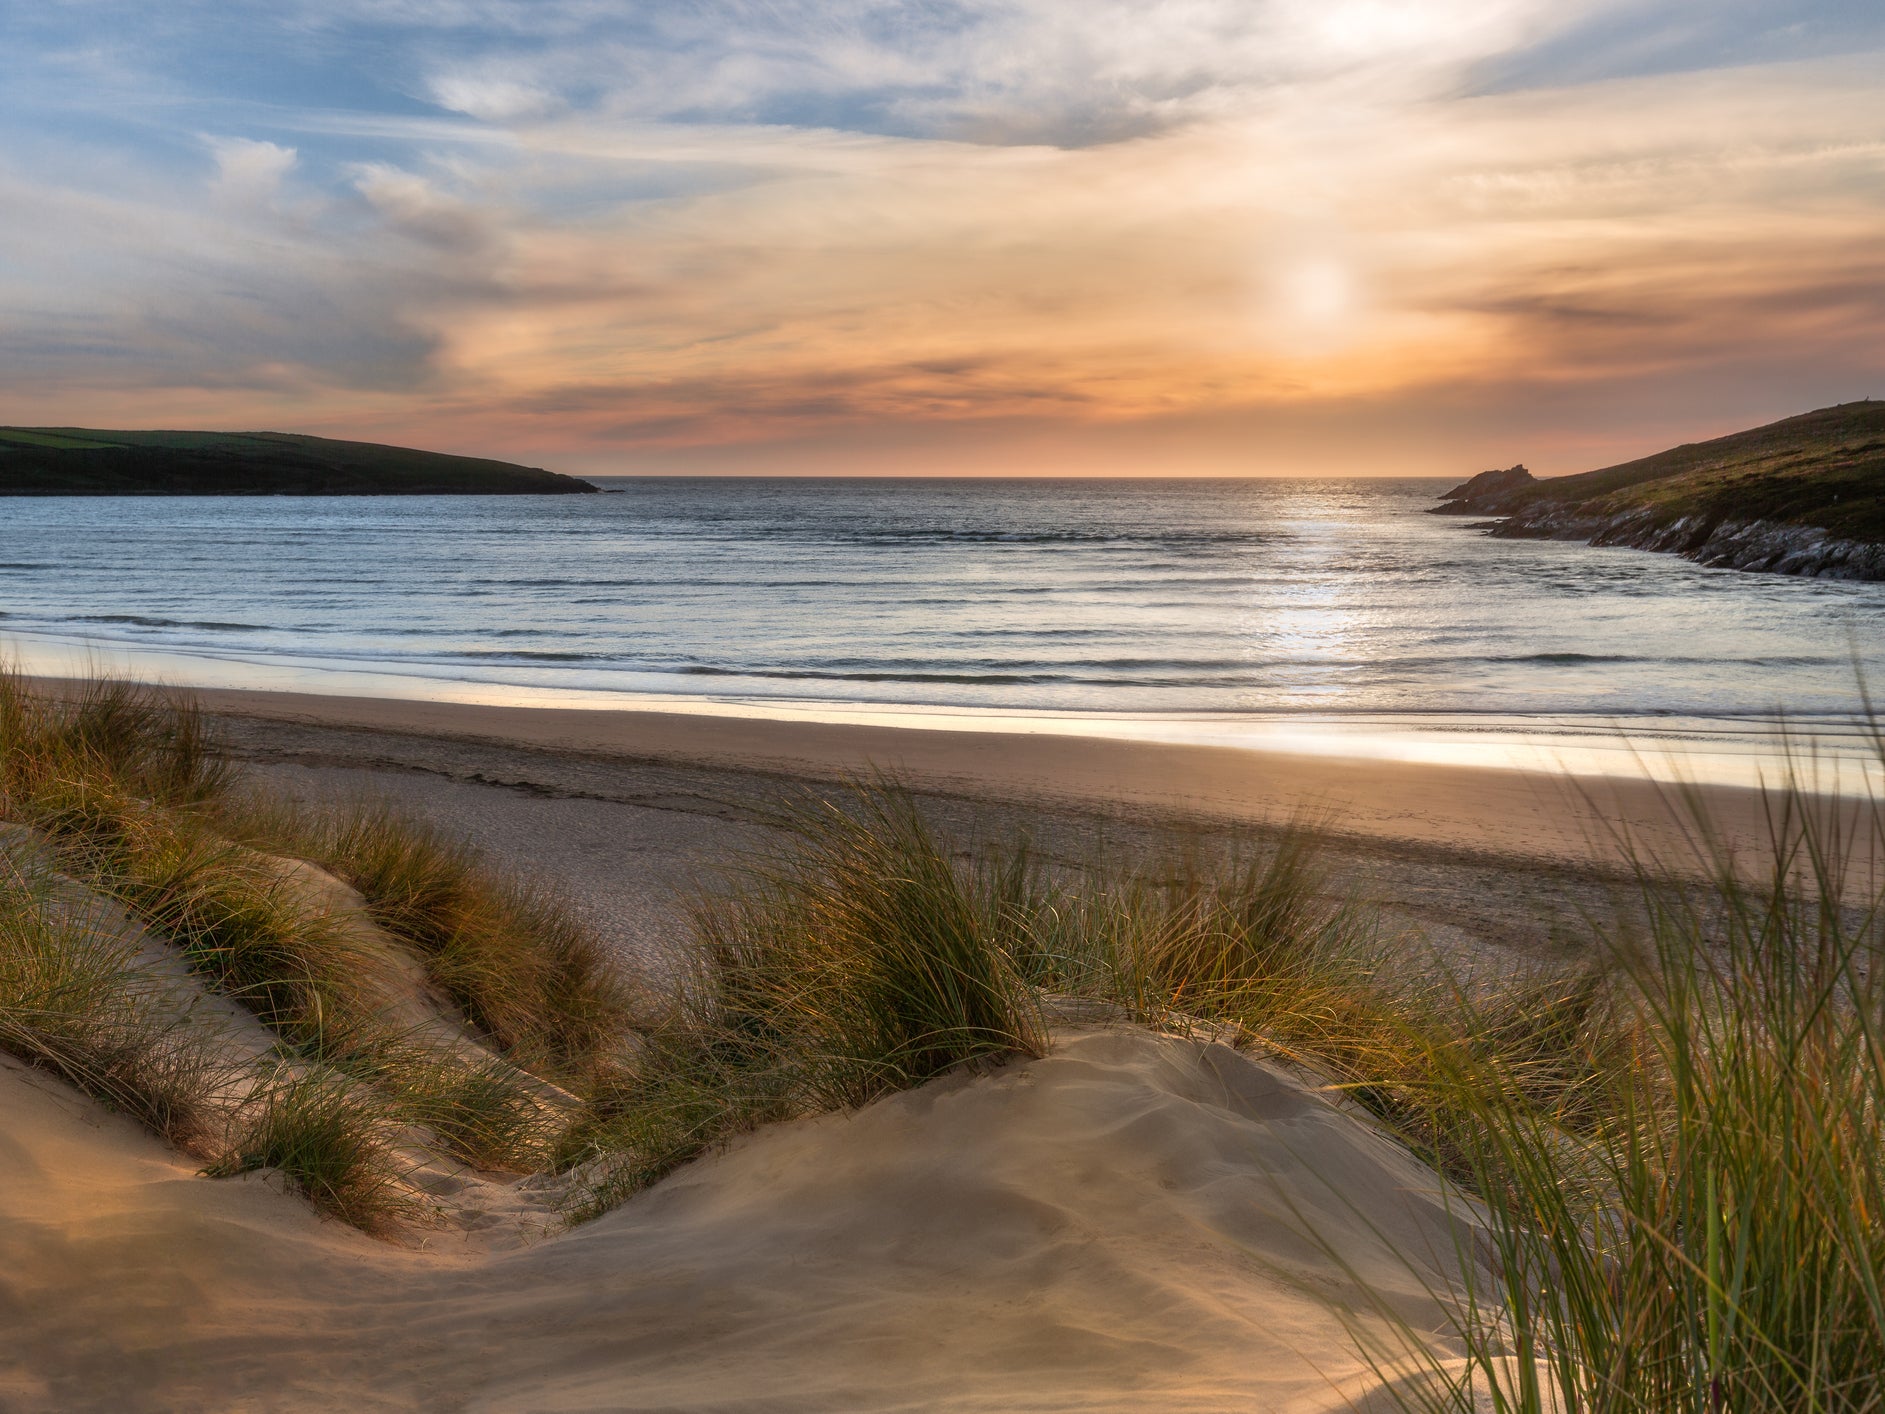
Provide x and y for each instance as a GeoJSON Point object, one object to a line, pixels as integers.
{"type": "Point", "coordinates": [1312, 614]}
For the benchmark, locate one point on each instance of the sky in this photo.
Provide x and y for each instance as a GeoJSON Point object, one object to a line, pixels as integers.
{"type": "Point", "coordinates": [946, 237]}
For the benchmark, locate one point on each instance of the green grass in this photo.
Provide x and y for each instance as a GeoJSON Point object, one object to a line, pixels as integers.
{"type": "Point", "coordinates": [1678, 1142]}
{"type": "Point", "coordinates": [127, 780]}
{"type": "Point", "coordinates": [1705, 1230]}
{"type": "Point", "coordinates": [123, 786]}
{"type": "Point", "coordinates": [1824, 468]}
{"type": "Point", "coordinates": [90, 461]}
{"type": "Point", "coordinates": [867, 956]}
{"type": "Point", "coordinates": [858, 960]}
{"type": "Point", "coordinates": [243, 926]}
{"type": "Point", "coordinates": [235, 919]}
{"type": "Point", "coordinates": [106, 739]}
{"type": "Point", "coordinates": [53, 440]}
{"type": "Point", "coordinates": [482, 1112]}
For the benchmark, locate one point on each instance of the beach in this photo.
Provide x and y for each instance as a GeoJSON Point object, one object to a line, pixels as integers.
{"type": "Point", "coordinates": [1000, 707]}
{"type": "Point", "coordinates": [1139, 1218]}
{"type": "Point", "coordinates": [1133, 1217]}
{"type": "Point", "coordinates": [628, 810]}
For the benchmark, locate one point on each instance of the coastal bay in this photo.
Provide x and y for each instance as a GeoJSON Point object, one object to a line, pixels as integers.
{"type": "Point", "coordinates": [863, 746]}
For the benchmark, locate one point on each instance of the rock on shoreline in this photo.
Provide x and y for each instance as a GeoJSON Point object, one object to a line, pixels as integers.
{"type": "Point", "coordinates": [1762, 546]}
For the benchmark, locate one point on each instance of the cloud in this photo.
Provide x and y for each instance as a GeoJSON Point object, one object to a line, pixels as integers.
{"type": "Point", "coordinates": [492, 97]}
{"type": "Point", "coordinates": [997, 71]}
{"type": "Point", "coordinates": [1633, 38]}
{"type": "Point", "coordinates": [250, 172]}
{"type": "Point", "coordinates": [414, 205]}
{"type": "Point", "coordinates": [230, 282]}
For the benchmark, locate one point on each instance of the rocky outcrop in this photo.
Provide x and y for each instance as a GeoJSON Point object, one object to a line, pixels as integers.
{"type": "Point", "coordinates": [1767, 546]}
{"type": "Point", "coordinates": [1473, 497]}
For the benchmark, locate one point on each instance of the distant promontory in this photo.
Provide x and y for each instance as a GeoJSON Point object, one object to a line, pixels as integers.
{"type": "Point", "coordinates": [79, 461]}
{"type": "Point", "coordinates": [1803, 496]}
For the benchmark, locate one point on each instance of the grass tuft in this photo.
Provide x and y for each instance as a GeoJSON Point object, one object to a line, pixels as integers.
{"type": "Point", "coordinates": [232, 913]}
{"type": "Point", "coordinates": [860, 960]}
{"type": "Point", "coordinates": [110, 736]}
{"type": "Point", "coordinates": [72, 1000]}
{"type": "Point", "coordinates": [524, 970]}
{"type": "Point", "coordinates": [329, 1136]}
{"type": "Point", "coordinates": [483, 1112]}
{"type": "Point", "coordinates": [1703, 1229]}
{"type": "Point", "coordinates": [123, 787]}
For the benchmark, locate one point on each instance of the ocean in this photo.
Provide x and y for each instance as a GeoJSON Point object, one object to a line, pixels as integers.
{"type": "Point", "coordinates": [1314, 614]}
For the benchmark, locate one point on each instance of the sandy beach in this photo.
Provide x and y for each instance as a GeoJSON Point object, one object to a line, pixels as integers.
{"type": "Point", "coordinates": [629, 811]}
{"type": "Point", "coordinates": [1134, 1221]}
{"type": "Point", "coordinates": [1461, 810]}
{"type": "Point", "coordinates": [980, 706]}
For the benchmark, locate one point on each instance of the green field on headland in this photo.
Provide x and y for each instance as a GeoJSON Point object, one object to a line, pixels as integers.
{"type": "Point", "coordinates": [79, 461]}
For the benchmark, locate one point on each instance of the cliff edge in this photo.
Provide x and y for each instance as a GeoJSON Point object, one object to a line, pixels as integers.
{"type": "Point", "coordinates": [1802, 496]}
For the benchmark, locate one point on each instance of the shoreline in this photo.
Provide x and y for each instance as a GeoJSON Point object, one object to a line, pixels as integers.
{"type": "Point", "coordinates": [1675, 747]}
{"type": "Point", "coordinates": [1472, 811]}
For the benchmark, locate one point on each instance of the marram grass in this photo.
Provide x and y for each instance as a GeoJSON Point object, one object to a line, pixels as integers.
{"type": "Point", "coordinates": [331, 1138]}
{"type": "Point", "coordinates": [73, 1001]}
{"type": "Point", "coordinates": [1705, 1231]}
{"type": "Point", "coordinates": [122, 792]}
{"type": "Point", "coordinates": [857, 961]}
{"type": "Point", "coordinates": [525, 972]}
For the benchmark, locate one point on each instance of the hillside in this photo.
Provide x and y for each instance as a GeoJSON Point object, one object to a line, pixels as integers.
{"type": "Point", "coordinates": [1805, 496]}
{"type": "Point", "coordinates": [77, 461]}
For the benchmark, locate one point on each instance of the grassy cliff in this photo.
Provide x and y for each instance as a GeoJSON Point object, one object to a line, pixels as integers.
{"type": "Point", "coordinates": [1805, 495]}
{"type": "Point", "coordinates": [77, 461]}
{"type": "Point", "coordinates": [1823, 469]}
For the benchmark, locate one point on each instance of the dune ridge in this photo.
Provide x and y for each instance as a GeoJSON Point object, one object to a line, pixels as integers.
{"type": "Point", "coordinates": [1122, 1222]}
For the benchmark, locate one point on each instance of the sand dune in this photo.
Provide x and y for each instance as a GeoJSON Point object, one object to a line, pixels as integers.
{"type": "Point", "coordinates": [1119, 1225]}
